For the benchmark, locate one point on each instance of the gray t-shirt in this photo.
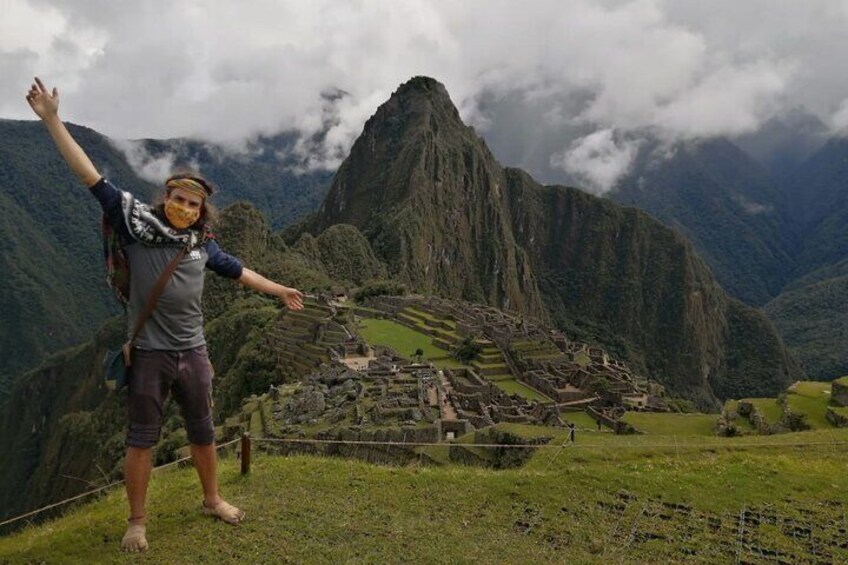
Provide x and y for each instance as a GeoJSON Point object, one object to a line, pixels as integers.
{"type": "Point", "coordinates": [177, 321]}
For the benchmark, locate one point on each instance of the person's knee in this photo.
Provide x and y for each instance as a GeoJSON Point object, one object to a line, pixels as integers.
{"type": "Point", "coordinates": [200, 431]}
{"type": "Point", "coordinates": [143, 436]}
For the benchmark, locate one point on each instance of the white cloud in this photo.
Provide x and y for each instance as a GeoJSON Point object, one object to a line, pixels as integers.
{"type": "Point", "coordinates": [226, 71]}
{"type": "Point", "coordinates": [37, 40]}
{"type": "Point", "coordinates": [839, 120]}
{"type": "Point", "coordinates": [730, 101]}
{"type": "Point", "coordinates": [599, 159]}
{"type": "Point", "coordinates": [151, 168]}
{"type": "Point", "coordinates": [751, 207]}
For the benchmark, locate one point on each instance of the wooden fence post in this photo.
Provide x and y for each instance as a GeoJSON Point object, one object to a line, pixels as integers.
{"type": "Point", "coordinates": [245, 453]}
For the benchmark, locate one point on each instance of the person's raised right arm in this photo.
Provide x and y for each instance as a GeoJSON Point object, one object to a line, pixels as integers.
{"type": "Point", "coordinates": [46, 107]}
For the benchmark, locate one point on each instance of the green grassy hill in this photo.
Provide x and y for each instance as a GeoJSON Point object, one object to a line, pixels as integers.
{"type": "Point", "coordinates": [607, 499]}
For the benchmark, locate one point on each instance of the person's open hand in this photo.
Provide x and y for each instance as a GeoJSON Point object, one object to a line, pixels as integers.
{"type": "Point", "coordinates": [292, 298]}
{"type": "Point", "coordinates": [42, 102]}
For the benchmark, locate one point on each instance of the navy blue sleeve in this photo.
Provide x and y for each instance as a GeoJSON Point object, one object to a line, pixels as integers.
{"type": "Point", "coordinates": [110, 200]}
{"type": "Point", "coordinates": [221, 263]}
{"type": "Point", "coordinates": [108, 196]}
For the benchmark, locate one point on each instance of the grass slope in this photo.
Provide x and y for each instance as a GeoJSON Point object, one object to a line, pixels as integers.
{"type": "Point", "coordinates": [617, 504]}
{"type": "Point", "coordinates": [400, 338]}
{"type": "Point", "coordinates": [513, 386]}
{"type": "Point", "coordinates": [811, 399]}
{"type": "Point", "coordinates": [672, 424]}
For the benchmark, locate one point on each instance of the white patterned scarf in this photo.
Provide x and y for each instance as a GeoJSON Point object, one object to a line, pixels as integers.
{"type": "Point", "coordinates": [147, 228]}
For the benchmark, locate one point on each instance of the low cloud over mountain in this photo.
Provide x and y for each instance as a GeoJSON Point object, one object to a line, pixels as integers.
{"type": "Point", "coordinates": [576, 73]}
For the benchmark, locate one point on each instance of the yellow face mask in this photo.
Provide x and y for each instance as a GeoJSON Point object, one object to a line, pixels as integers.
{"type": "Point", "coordinates": [180, 216]}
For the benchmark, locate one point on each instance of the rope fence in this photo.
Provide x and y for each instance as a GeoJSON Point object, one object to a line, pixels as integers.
{"type": "Point", "coordinates": [100, 489]}
{"type": "Point", "coordinates": [246, 442]}
{"type": "Point", "coordinates": [548, 445]}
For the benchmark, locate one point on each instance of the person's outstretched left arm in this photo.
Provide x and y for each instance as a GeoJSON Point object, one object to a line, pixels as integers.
{"type": "Point", "coordinates": [230, 267]}
{"type": "Point", "coordinates": [291, 297]}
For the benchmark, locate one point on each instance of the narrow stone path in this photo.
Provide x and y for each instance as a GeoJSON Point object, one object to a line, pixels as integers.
{"type": "Point", "coordinates": [446, 410]}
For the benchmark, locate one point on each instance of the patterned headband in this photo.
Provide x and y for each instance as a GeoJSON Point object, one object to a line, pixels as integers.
{"type": "Point", "coordinates": [190, 185]}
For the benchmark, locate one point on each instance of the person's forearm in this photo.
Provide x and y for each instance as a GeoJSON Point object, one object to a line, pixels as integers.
{"type": "Point", "coordinates": [73, 154]}
{"type": "Point", "coordinates": [259, 283]}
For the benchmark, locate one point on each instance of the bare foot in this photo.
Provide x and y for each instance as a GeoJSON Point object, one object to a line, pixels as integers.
{"type": "Point", "coordinates": [134, 539]}
{"type": "Point", "coordinates": [225, 511]}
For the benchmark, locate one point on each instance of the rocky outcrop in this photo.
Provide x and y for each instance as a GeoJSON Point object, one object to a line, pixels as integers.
{"type": "Point", "coordinates": [839, 391]}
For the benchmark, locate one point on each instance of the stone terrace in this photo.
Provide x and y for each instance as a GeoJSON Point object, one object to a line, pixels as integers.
{"type": "Point", "coordinates": [570, 373]}
{"type": "Point", "coordinates": [517, 351]}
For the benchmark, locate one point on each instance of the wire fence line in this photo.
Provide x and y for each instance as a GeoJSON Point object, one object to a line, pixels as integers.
{"type": "Point", "coordinates": [99, 489]}
{"type": "Point", "coordinates": [574, 445]}
{"type": "Point", "coordinates": [404, 444]}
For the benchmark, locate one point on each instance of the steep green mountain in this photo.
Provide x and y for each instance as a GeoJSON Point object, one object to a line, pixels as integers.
{"type": "Point", "coordinates": [818, 194]}
{"type": "Point", "coordinates": [767, 229]}
{"type": "Point", "coordinates": [811, 311]}
{"type": "Point", "coordinates": [52, 294]}
{"type": "Point", "coordinates": [817, 187]}
{"type": "Point", "coordinates": [430, 197]}
{"type": "Point", "coordinates": [642, 287]}
{"type": "Point", "coordinates": [777, 240]}
{"type": "Point", "coordinates": [813, 320]}
{"type": "Point", "coordinates": [725, 203]}
{"type": "Point", "coordinates": [448, 219]}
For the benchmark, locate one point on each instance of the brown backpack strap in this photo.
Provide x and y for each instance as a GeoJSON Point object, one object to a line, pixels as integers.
{"type": "Point", "coordinates": [157, 292]}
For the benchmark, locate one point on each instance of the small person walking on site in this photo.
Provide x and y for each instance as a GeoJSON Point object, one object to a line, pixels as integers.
{"type": "Point", "coordinates": [168, 353]}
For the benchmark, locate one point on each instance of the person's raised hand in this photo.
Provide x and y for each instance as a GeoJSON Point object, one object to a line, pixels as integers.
{"type": "Point", "coordinates": [42, 102]}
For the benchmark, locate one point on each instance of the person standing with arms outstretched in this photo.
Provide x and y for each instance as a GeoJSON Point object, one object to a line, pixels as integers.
{"type": "Point", "coordinates": [169, 354]}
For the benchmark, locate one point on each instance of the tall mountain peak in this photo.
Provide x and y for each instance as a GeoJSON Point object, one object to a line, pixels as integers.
{"type": "Point", "coordinates": [429, 195]}
{"type": "Point", "coordinates": [420, 105]}
{"type": "Point", "coordinates": [421, 93]}
{"type": "Point", "coordinates": [423, 85]}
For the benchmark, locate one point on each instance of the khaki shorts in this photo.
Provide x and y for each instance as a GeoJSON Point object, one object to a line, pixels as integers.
{"type": "Point", "coordinates": [153, 375]}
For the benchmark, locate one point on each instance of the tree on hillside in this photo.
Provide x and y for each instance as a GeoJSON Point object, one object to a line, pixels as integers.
{"type": "Point", "coordinates": [467, 350]}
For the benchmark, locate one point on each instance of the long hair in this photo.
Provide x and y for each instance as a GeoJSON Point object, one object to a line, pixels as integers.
{"type": "Point", "coordinates": [208, 214]}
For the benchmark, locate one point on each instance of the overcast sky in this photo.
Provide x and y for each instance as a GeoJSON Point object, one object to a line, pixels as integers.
{"type": "Point", "coordinates": [565, 83]}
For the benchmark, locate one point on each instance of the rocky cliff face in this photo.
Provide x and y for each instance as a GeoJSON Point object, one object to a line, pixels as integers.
{"type": "Point", "coordinates": [448, 219]}
{"type": "Point", "coordinates": [642, 285]}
